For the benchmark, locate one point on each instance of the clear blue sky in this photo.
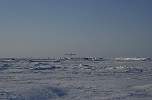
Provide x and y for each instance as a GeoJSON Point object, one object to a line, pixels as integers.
{"type": "Point", "coordinates": [89, 27]}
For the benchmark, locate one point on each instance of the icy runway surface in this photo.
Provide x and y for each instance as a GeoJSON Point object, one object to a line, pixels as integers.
{"type": "Point", "coordinates": [76, 80]}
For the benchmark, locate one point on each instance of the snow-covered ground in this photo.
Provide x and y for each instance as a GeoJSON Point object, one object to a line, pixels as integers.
{"type": "Point", "coordinates": [132, 59]}
{"type": "Point", "coordinates": [23, 79]}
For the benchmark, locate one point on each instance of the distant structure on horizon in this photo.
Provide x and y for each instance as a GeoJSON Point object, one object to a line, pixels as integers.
{"type": "Point", "coordinates": [70, 55]}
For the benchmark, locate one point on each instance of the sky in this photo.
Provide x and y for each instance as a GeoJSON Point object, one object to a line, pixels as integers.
{"type": "Point", "coordinates": [105, 28]}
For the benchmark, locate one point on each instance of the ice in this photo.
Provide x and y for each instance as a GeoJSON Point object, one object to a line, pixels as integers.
{"type": "Point", "coordinates": [75, 79]}
{"type": "Point", "coordinates": [42, 66]}
{"type": "Point", "coordinates": [4, 66]}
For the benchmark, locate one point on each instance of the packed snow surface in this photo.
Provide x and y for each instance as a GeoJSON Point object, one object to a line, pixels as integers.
{"type": "Point", "coordinates": [71, 79]}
